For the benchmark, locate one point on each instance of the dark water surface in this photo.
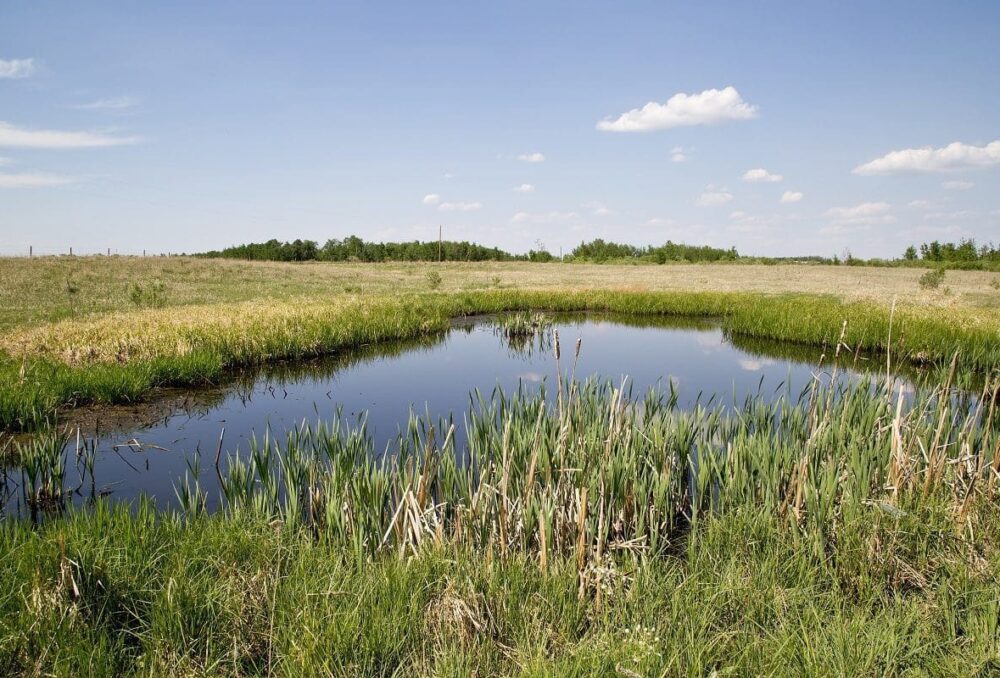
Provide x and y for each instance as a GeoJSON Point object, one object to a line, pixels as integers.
{"type": "Point", "coordinates": [146, 449]}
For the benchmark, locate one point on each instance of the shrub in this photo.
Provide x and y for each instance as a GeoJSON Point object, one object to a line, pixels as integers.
{"type": "Point", "coordinates": [931, 280]}
{"type": "Point", "coordinates": [434, 279]}
{"type": "Point", "coordinates": [153, 295]}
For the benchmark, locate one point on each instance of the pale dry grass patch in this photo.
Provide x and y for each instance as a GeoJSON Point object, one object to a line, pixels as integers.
{"type": "Point", "coordinates": [44, 289]}
{"type": "Point", "coordinates": [250, 331]}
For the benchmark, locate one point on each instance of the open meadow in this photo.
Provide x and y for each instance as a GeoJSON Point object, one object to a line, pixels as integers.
{"type": "Point", "coordinates": [850, 529]}
{"type": "Point", "coordinates": [53, 288]}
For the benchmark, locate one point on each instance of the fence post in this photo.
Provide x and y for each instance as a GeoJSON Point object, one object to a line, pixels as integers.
{"type": "Point", "coordinates": [70, 251]}
{"type": "Point", "coordinates": [31, 251]}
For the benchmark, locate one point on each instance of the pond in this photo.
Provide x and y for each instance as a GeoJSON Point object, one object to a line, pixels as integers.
{"type": "Point", "coordinates": [145, 449]}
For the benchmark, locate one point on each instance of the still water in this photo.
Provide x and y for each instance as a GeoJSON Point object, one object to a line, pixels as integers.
{"type": "Point", "coordinates": [146, 449]}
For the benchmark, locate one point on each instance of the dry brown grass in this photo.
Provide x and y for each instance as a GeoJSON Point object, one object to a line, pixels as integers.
{"type": "Point", "coordinates": [34, 291]}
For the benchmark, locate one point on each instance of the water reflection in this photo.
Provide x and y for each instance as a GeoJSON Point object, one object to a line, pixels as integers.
{"type": "Point", "coordinates": [125, 452]}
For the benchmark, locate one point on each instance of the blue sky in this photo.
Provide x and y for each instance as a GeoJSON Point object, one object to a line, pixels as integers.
{"type": "Point", "coordinates": [780, 128]}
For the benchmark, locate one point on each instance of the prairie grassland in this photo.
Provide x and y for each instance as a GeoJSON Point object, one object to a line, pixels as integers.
{"type": "Point", "coordinates": [44, 289]}
{"type": "Point", "coordinates": [847, 533]}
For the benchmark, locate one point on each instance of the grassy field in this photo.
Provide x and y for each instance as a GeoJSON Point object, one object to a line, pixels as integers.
{"type": "Point", "coordinates": [109, 329]}
{"type": "Point", "coordinates": [849, 533]}
{"type": "Point", "coordinates": [54, 288]}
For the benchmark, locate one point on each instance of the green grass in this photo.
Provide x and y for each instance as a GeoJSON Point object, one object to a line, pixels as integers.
{"type": "Point", "coordinates": [119, 358]}
{"type": "Point", "coordinates": [848, 532]}
{"type": "Point", "coordinates": [521, 325]}
{"type": "Point", "coordinates": [47, 289]}
{"type": "Point", "coordinates": [116, 593]}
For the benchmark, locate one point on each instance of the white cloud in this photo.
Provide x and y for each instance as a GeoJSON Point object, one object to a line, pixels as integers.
{"type": "Point", "coordinates": [531, 157]}
{"type": "Point", "coordinates": [109, 104]}
{"type": "Point", "coordinates": [32, 180]}
{"type": "Point", "coordinates": [791, 196]}
{"type": "Point", "coordinates": [460, 206]}
{"type": "Point", "coordinates": [843, 229]}
{"type": "Point", "coordinates": [432, 199]}
{"type": "Point", "coordinates": [705, 108]}
{"type": "Point", "coordinates": [937, 231]}
{"type": "Point", "coordinates": [755, 364]}
{"type": "Point", "coordinates": [750, 224]}
{"type": "Point", "coordinates": [543, 217]}
{"type": "Point", "coordinates": [957, 185]}
{"type": "Point", "coordinates": [524, 188]}
{"type": "Point", "coordinates": [17, 137]}
{"type": "Point", "coordinates": [867, 213]}
{"type": "Point", "coordinates": [954, 156]}
{"type": "Point", "coordinates": [17, 68]}
{"type": "Point", "coordinates": [678, 154]}
{"type": "Point", "coordinates": [714, 196]}
{"type": "Point", "coordinates": [597, 208]}
{"type": "Point", "coordinates": [951, 216]}
{"type": "Point", "coordinates": [761, 175]}
{"type": "Point", "coordinates": [920, 204]}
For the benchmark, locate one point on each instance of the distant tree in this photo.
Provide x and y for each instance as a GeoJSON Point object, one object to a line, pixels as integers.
{"type": "Point", "coordinates": [910, 254]}
{"type": "Point", "coordinates": [353, 248]}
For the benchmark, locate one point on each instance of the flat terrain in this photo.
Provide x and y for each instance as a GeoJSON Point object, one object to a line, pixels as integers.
{"type": "Point", "coordinates": [34, 291]}
{"type": "Point", "coordinates": [851, 535]}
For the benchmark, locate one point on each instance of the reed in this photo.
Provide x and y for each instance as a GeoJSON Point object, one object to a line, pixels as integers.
{"type": "Point", "coordinates": [596, 470]}
{"type": "Point", "coordinates": [522, 325]}
{"type": "Point", "coordinates": [849, 530]}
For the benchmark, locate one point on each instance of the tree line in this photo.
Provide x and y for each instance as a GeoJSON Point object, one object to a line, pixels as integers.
{"type": "Point", "coordinates": [964, 254]}
{"type": "Point", "coordinates": [354, 248]}
{"type": "Point", "coordinates": [965, 251]}
{"type": "Point", "coordinates": [599, 251]}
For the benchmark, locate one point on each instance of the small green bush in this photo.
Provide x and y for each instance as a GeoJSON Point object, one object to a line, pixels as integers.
{"type": "Point", "coordinates": [931, 280]}
{"type": "Point", "coordinates": [434, 279]}
{"type": "Point", "coordinates": [152, 295]}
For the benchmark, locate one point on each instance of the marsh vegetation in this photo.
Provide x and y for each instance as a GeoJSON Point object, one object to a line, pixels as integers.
{"type": "Point", "coordinates": [584, 526]}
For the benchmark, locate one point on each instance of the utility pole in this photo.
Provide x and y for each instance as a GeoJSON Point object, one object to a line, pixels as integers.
{"type": "Point", "coordinates": [440, 243]}
{"type": "Point", "coordinates": [31, 251]}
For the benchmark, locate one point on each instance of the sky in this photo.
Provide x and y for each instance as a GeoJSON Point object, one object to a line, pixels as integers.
{"type": "Point", "coordinates": [780, 128]}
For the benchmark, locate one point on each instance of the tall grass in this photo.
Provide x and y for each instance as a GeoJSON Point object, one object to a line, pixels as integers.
{"type": "Point", "coordinates": [596, 471]}
{"type": "Point", "coordinates": [120, 357]}
{"type": "Point", "coordinates": [852, 530]}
